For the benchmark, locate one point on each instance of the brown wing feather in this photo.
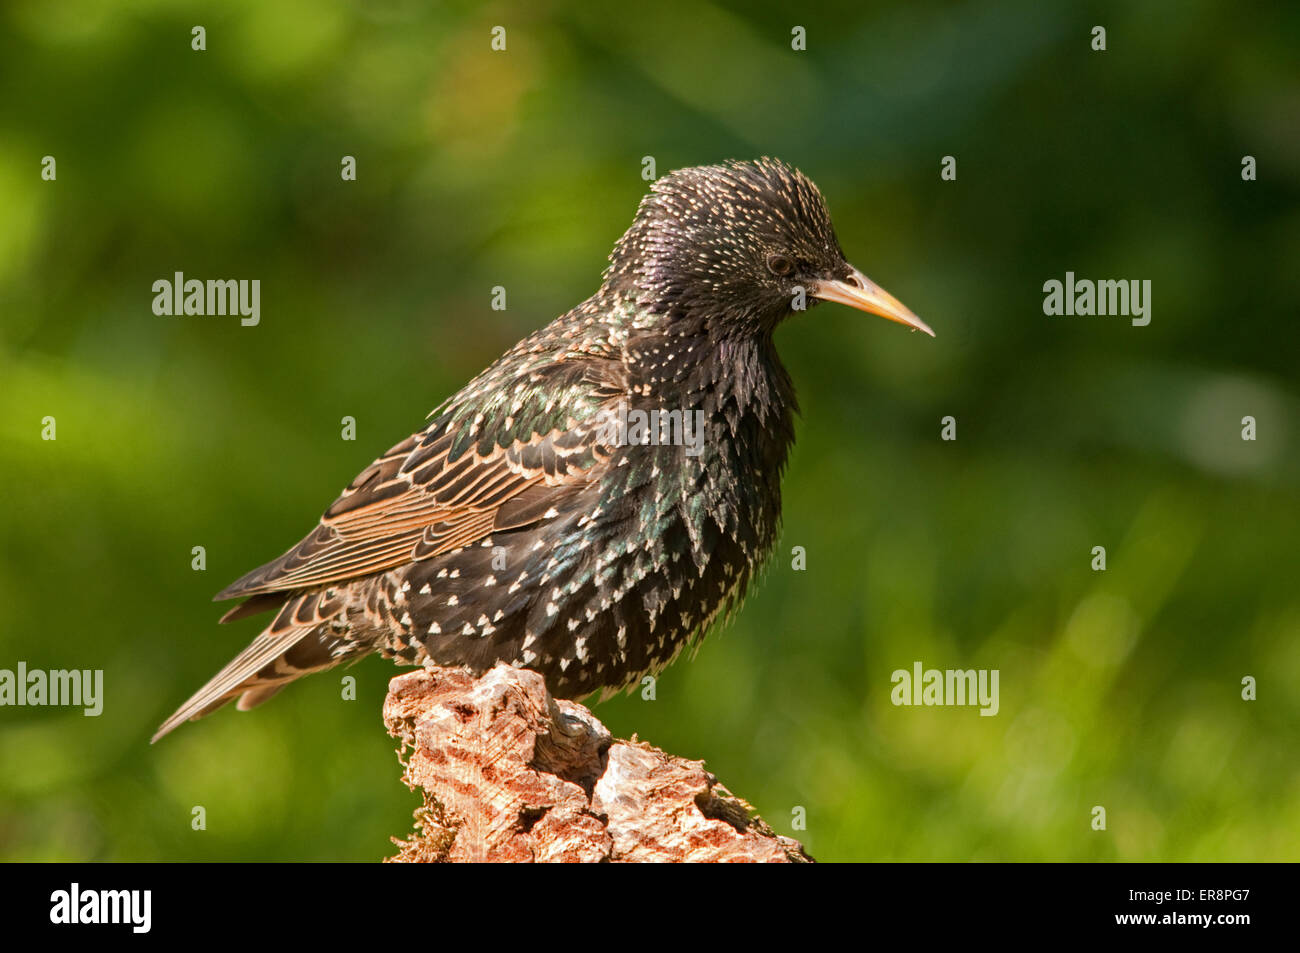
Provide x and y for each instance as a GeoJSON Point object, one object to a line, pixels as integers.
{"type": "Point", "coordinates": [414, 503]}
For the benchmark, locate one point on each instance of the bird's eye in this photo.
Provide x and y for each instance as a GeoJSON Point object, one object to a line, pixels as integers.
{"type": "Point", "coordinates": [780, 265]}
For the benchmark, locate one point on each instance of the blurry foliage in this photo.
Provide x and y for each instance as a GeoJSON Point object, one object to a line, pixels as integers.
{"type": "Point", "coordinates": [521, 168]}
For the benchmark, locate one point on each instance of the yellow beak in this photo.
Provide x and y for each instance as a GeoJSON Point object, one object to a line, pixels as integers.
{"type": "Point", "coordinates": [859, 291]}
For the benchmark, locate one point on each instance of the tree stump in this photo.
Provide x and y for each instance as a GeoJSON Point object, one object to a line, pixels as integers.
{"type": "Point", "coordinates": [510, 774]}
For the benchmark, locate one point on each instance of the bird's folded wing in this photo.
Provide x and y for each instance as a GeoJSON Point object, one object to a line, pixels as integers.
{"type": "Point", "coordinates": [492, 463]}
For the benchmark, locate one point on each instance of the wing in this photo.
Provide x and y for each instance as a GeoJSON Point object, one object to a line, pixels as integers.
{"type": "Point", "coordinates": [498, 455]}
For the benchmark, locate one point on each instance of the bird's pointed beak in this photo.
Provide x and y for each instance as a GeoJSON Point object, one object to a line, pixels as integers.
{"type": "Point", "coordinates": [859, 291]}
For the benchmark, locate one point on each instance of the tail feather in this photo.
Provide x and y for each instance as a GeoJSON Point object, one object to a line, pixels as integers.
{"type": "Point", "coordinates": [256, 605]}
{"type": "Point", "coordinates": [243, 676]}
{"type": "Point", "coordinates": [256, 696]}
{"type": "Point", "coordinates": [305, 636]}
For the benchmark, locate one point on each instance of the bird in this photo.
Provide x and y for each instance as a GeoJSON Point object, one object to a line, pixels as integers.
{"type": "Point", "coordinates": [525, 524]}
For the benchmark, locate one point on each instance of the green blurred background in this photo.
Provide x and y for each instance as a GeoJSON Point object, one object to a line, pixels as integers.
{"type": "Point", "coordinates": [479, 168]}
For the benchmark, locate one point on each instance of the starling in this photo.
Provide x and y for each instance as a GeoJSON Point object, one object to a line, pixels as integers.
{"type": "Point", "coordinates": [532, 521]}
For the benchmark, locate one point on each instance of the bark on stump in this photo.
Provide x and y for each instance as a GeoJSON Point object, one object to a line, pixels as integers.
{"type": "Point", "coordinates": [510, 774]}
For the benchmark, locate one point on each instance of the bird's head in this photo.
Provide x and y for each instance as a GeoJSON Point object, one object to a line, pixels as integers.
{"type": "Point", "coordinates": [742, 244]}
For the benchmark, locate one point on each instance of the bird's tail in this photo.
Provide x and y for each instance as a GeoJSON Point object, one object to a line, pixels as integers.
{"type": "Point", "coordinates": [283, 652]}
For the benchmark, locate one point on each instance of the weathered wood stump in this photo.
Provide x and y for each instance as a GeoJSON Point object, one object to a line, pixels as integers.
{"type": "Point", "coordinates": [510, 774]}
